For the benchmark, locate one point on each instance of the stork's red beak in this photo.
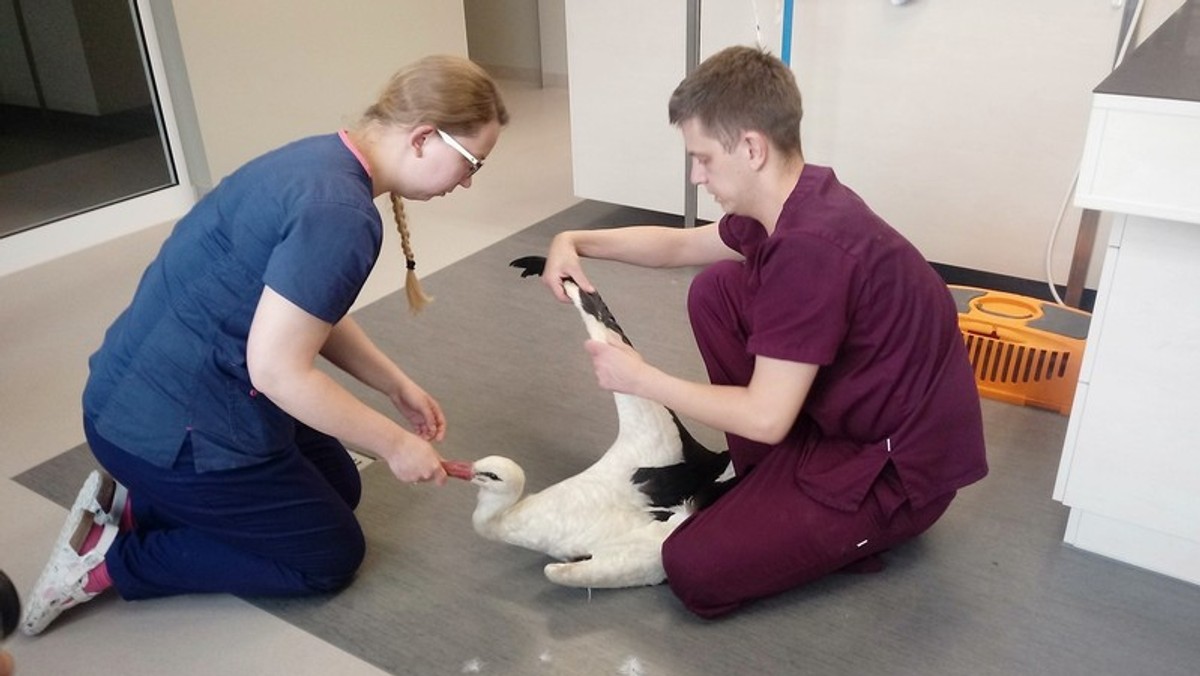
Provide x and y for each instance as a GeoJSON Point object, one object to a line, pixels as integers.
{"type": "Point", "coordinates": [459, 469]}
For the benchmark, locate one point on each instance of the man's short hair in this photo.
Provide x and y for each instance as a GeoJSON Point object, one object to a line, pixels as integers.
{"type": "Point", "coordinates": [741, 89]}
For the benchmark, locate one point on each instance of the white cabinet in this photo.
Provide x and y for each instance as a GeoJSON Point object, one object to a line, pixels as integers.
{"type": "Point", "coordinates": [1131, 467]}
{"type": "Point", "coordinates": [1130, 470]}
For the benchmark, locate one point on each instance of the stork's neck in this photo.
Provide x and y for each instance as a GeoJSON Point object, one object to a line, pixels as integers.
{"type": "Point", "coordinates": [641, 417]}
{"type": "Point", "coordinates": [493, 504]}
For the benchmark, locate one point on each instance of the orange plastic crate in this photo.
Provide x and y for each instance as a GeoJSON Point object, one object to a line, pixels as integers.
{"type": "Point", "coordinates": [1023, 350]}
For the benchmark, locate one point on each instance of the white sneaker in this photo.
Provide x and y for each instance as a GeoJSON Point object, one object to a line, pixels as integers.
{"type": "Point", "coordinates": [60, 586]}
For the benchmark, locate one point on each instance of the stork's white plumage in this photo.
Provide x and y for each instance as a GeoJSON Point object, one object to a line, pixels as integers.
{"type": "Point", "coordinates": [606, 524]}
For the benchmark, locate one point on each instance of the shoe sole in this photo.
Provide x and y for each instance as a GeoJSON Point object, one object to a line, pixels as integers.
{"type": "Point", "coordinates": [65, 560]}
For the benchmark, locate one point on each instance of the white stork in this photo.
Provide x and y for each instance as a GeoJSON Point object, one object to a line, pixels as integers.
{"type": "Point", "coordinates": [605, 525]}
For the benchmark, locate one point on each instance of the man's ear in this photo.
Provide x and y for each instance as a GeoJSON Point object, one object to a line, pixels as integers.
{"type": "Point", "coordinates": [757, 148]}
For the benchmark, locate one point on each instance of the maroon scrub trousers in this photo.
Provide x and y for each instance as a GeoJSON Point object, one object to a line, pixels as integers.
{"type": "Point", "coordinates": [766, 535]}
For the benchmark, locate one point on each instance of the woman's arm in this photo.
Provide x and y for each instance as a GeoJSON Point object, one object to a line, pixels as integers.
{"type": "Point", "coordinates": [350, 349]}
{"type": "Point", "coordinates": [281, 356]}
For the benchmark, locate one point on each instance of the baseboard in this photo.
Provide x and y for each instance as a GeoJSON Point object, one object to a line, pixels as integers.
{"type": "Point", "coordinates": [997, 282]}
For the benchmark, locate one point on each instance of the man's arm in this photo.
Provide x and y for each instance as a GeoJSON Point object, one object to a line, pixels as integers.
{"type": "Point", "coordinates": [648, 246]}
{"type": "Point", "coordinates": [764, 410]}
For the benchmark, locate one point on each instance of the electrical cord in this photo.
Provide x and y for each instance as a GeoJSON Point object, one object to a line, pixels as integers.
{"type": "Point", "coordinates": [1125, 41]}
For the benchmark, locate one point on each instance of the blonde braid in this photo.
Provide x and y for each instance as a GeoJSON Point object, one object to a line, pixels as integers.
{"type": "Point", "coordinates": [417, 300]}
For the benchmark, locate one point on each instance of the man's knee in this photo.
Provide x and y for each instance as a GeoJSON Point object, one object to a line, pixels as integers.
{"type": "Point", "coordinates": [710, 287]}
{"type": "Point", "coordinates": [696, 578]}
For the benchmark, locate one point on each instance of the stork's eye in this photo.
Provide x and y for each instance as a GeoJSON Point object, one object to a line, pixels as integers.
{"type": "Point", "coordinates": [488, 475]}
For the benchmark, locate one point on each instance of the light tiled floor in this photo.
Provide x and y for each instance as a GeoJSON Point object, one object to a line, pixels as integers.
{"type": "Point", "coordinates": [53, 316]}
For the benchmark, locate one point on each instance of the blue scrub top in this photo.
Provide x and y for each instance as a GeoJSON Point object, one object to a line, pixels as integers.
{"type": "Point", "coordinates": [300, 219]}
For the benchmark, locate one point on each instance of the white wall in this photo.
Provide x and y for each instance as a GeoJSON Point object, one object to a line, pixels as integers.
{"type": "Point", "coordinates": [255, 75]}
{"type": "Point", "coordinates": [267, 72]}
{"type": "Point", "coordinates": [960, 122]}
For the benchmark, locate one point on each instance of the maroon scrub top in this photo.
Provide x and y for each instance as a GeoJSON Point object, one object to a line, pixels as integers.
{"type": "Point", "coordinates": [835, 285]}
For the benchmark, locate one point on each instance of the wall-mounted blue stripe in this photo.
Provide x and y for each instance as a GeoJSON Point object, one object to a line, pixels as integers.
{"type": "Point", "coordinates": [786, 48]}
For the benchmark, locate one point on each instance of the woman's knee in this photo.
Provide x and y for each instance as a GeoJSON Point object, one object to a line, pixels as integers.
{"type": "Point", "coordinates": [336, 566]}
{"type": "Point", "coordinates": [331, 459]}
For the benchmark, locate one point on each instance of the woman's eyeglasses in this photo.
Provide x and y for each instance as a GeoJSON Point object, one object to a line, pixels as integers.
{"type": "Point", "coordinates": [476, 163]}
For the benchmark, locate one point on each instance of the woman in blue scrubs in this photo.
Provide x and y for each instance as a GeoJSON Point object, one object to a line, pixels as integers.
{"type": "Point", "coordinates": [205, 402]}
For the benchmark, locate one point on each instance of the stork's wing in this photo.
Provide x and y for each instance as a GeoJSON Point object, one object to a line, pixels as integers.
{"type": "Point", "coordinates": [593, 304]}
{"type": "Point", "coordinates": [589, 302]}
{"type": "Point", "coordinates": [667, 486]}
{"type": "Point", "coordinates": [674, 484]}
{"type": "Point", "coordinates": [531, 266]}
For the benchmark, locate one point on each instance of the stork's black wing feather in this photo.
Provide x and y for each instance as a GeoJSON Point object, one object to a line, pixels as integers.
{"type": "Point", "coordinates": [709, 494]}
{"type": "Point", "coordinates": [695, 476]}
{"type": "Point", "coordinates": [594, 305]}
{"type": "Point", "coordinates": [591, 302]}
{"type": "Point", "coordinates": [531, 266]}
{"type": "Point", "coordinates": [707, 464]}
{"type": "Point", "coordinates": [675, 484]}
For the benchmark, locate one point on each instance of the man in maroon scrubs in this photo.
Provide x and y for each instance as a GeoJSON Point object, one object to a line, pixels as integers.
{"type": "Point", "coordinates": [837, 369]}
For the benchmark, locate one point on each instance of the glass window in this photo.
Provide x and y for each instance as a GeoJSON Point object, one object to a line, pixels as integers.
{"type": "Point", "coordinates": [81, 126]}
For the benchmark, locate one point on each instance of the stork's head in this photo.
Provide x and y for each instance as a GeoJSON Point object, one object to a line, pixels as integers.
{"type": "Point", "coordinates": [501, 483]}
{"type": "Point", "coordinates": [495, 474]}
{"type": "Point", "coordinates": [498, 474]}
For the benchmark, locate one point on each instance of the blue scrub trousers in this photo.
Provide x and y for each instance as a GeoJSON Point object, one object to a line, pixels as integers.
{"type": "Point", "coordinates": [285, 527]}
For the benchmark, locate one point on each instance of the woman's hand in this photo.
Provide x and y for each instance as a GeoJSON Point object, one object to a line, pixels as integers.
{"type": "Point", "coordinates": [421, 409]}
{"type": "Point", "coordinates": [416, 461]}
